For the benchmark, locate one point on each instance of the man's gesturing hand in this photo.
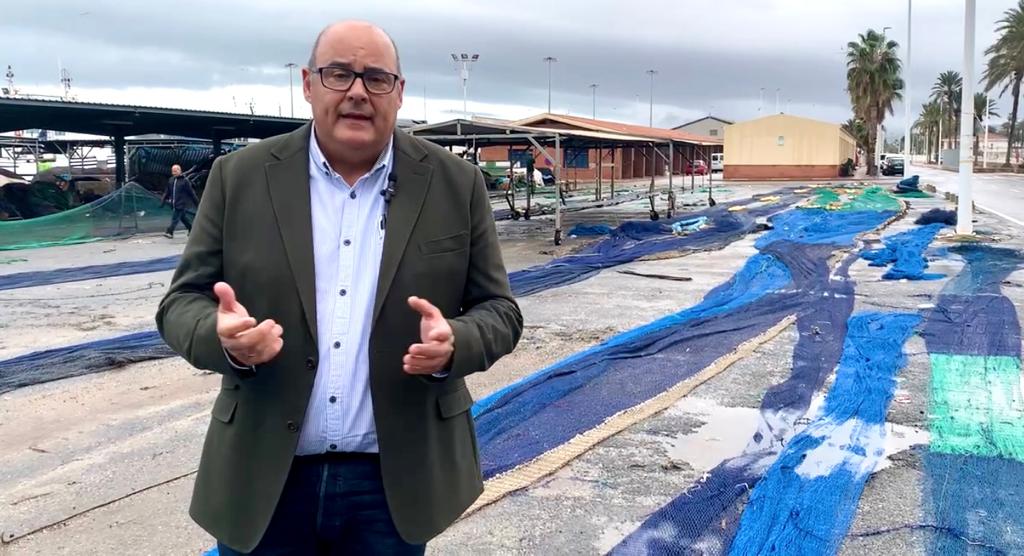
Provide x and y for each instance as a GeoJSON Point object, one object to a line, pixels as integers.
{"type": "Point", "coordinates": [438, 342]}
{"type": "Point", "coordinates": [247, 342]}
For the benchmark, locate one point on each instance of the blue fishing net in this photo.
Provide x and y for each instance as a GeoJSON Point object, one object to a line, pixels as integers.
{"type": "Point", "coordinates": [905, 252]}
{"type": "Point", "coordinates": [634, 240]}
{"type": "Point", "coordinates": [91, 272]}
{"type": "Point", "coordinates": [80, 359]}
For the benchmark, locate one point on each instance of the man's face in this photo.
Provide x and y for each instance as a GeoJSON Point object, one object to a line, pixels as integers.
{"type": "Point", "coordinates": [175, 170]}
{"type": "Point", "coordinates": [356, 119]}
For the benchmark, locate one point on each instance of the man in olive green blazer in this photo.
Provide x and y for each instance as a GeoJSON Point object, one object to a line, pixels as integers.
{"type": "Point", "coordinates": [442, 308]}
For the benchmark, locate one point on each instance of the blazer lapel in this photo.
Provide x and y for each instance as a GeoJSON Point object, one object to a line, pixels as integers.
{"type": "Point", "coordinates": [411, 185]}
{"type": "Point", "coordinates": [288, 181]}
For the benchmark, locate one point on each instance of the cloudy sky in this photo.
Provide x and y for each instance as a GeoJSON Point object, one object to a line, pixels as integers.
{"type": "Point", "coordinates": [712, 56]}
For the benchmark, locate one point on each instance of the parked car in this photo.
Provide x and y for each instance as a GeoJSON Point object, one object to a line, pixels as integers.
{"type": "Point", "coordinates": [717, 162]}
{"type": "Point", "coordinates": [893, 166]}
{"type": "Point", "coordinates": [697, 167]}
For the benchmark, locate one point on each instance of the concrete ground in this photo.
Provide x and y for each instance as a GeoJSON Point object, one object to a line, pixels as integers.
{"type": "Point", "coordinates": [103, 464]}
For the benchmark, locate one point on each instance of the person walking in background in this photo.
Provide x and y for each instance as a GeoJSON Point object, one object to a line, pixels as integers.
{"type": "Point", "coordinates": [182, 198]}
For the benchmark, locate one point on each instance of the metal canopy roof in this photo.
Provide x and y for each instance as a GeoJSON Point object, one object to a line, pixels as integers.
{"type": "Point", "coordinates": [463, 132]}
{"type": "Point", "coordinates": [113, 119]}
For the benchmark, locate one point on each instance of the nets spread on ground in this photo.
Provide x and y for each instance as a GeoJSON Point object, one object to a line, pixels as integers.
{"type": "Point", "coordinates": [91, 272]}
{"type": "Point", "coordinates": [80, 359]}
{"type": "Point", "coordinates": [905, 252]}
{"type": "Point", "coordinates": [975, 460]}
{"type": "Point", "coordinates": [937, 216]}
{"type": "Point", "coordinates": [582, 230]}
{"type": "Point", "coordinates": [872, 198]}
{"type": "Point", "coordinates": [127, 210]}
{"type": "Point", "coordinates": [530, 417]}
{"type": "Point", "coordinates": [707, 514]}
{"type": "Point", "coordinates": [806, 501]}
{"type": "Point", "coordinates": [634, 240]}
{"type": "Point", "coordinates": [822, 226]}
{"type": "Point", "coordinates": [570, 206]}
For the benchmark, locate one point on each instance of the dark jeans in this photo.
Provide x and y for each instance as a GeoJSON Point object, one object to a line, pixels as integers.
{"type": "Point", "coordinates": [180, 215]}
{"type": "Point", "coordinates": [332, 504]}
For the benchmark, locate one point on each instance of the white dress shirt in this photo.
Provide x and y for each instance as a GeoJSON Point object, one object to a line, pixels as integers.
{"type": "Point", "coordinates": [348, 238]}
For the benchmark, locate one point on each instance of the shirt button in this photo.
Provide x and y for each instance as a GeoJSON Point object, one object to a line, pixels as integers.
{"type": "Point", "coordinates": [337, 345]}
{"type": "Point", "coordinates": [347, 242]}
{"type": "Point", "coordinates": [332, 399]}
{"type": "Point", "coordinates": [342, 293]}
{"type": "Point", "coordinates": [352, 195]}
{"type": "Point", "coordinates": [310, 363]}
{"type": "Point", "coordinates": [292, 426]}
{"type": "Point", "coordinates": [334, 446]}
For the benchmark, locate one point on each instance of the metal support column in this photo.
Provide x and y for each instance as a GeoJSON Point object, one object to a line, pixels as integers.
{"type": "Point", "coordinates": [120, 171]}
{"type": "Point", "coordinates": [671, 170]}
{"type": "Point", "coordinates": [611, 191]}
{"type": "Point", "coordinates": [558, 190]}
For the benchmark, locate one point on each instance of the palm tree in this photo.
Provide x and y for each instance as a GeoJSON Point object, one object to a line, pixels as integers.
{"type": "Point", "coordinates": [873, 81]}
{"type": "Point", "coordinates": [928, 121]}
{"type": "Point", "coordinates": [1006, 63]}
{"type": "Point", "coordinates": [947, 91]}
{"type": "Point", "coordinates": [983, 106]}
{"type": "Point", "coordinates": [856, 128]}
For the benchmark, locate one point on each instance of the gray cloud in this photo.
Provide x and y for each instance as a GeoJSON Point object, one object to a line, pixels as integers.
{"type": "Point", "coordinates": [708, 54]}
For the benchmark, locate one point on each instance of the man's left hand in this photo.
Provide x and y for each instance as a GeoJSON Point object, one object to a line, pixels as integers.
{"type": "Point", "coordinates": [438, 342]}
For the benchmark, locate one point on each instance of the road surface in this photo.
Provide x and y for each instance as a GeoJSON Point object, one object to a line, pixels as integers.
{"type": "Point", "coordinates": [1000, 194]}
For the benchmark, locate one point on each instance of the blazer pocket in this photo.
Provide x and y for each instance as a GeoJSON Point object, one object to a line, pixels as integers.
{"type": "Point", "coordinates": [446, 244]}
{"type": "Point", "coordinates": [224, 409]}
{"type": "Point", "coordinates": [454, 403]}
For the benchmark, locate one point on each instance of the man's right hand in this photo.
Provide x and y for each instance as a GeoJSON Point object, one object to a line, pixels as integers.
{"type": "Point", "coordinates": [247, 342]}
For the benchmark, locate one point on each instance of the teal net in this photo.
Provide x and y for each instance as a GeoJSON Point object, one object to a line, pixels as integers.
{"type": "Point", "coordinates": [127, 210]}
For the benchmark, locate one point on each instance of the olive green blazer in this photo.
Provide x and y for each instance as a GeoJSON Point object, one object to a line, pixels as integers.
{"type": "Point", "coordinates": [253, 230]}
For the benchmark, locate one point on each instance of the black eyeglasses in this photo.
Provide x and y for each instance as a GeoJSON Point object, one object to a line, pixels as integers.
{"type": "Point", "coordinates": [377, 82]}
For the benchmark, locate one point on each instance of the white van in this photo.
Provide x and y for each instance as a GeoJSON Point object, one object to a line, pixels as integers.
{"type": "Point", "coordinates": [717, 162]}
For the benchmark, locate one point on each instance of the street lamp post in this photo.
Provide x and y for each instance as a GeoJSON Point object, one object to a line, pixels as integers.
{"type": "Point", "coordinates": [549, 60]}
{"type": "Point", "coordinates": [906, 94]}
{"type": "Point", "coordinates": [965, 208]}
{"type": "Point", "coordinates": [652, 73]}
{"type": "Point", "coordinates": [464, 60]}
{"type": "Point", "coordinates": [593, 91]}
{"type": "Point", "coordinates": [291, 87]}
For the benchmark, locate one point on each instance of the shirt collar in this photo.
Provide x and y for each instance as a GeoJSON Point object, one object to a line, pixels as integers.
{"type": "Point", "coordinates": [316, 156]}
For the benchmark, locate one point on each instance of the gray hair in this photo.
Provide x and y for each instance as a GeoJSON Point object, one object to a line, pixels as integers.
{"type": "Point", "coordinates": [316, 44]}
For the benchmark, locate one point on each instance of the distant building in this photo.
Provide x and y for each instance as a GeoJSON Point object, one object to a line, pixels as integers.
{"type": "Point", "coordinates": [619, 163]}
{"type": "Point", "coordinates": [708, 126]}
{"type": "Point", "coordinates": [782, 146]}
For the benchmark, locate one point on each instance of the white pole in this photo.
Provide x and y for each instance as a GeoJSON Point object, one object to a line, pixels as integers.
{"type": "Point", "coordinates": [650, 122]}
{"type": "Point", "coordinates": [906, 96]}
{"type": "Point", "coordinates": [776, 101]}
{"type": "Point", "coordinates": [964, 209]}
{"type": "Point", "coordinates": [984, 148]}
{"type": "Point", "coordinates": [465, 88]}
{"type": "Point", "coordinates": [291, 87]}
